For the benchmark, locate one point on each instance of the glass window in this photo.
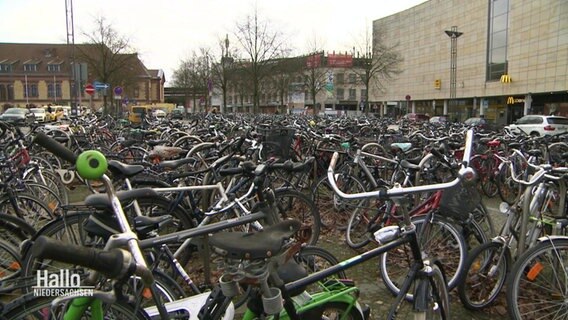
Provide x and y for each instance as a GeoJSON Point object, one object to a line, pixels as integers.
{"type": "Point", "coordinates": [363, 94]}
{"type": "Point", "coordinates": [50, 90]}
{"type": "Point", "coordinates": [6, 92]}
{"type": "Point", "coordinates": [352, 78]}
{"type": "Point", "coordinates": [30, 90]}
{"type": "Point", "coordinates": [498, 55]}
{"type": "Point", "coordinates": [340, 78]}
{"type": "Point", "coordinates": [352, 94]}
{"type": "Point", "coordinates": [500, 7]}
{"type": "Point", "coordinates": [499, 23]}
{"type": "Point", "coordinates": [558, 120]}
{"type": "Point", "coordinates": [340, 94]}
{"type": "Point", "coordinates": [5, 67]}
{"type": "Point", "coordinates": [499, 39]}
{"type": "Point", "coordinates": [30, 67]}
{"type": "Point", "coordinates": [53, 67]}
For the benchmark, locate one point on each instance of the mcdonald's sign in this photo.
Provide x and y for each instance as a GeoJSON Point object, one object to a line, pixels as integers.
{"type": "Point", "coordinates": [512, 100]}
{"type": "Point", "coordinates": [437, 84]}
{"type": "Point", "coordinates": [506, 78]}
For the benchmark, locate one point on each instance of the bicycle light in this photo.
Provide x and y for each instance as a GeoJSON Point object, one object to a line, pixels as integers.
{"type": "Point", "coordinates": [387, 234]}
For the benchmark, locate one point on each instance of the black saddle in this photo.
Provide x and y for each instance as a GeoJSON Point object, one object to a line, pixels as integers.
{"type": "Point", "coordinates": [259, 245]}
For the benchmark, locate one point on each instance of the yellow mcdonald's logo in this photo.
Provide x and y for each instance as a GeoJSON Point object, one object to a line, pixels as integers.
{"type": "Point", "coordinates": [512, 100]}
{"type": "Point", "coordinates": [506, 78]}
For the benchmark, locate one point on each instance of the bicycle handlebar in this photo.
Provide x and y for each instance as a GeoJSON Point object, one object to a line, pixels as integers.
{"type": "Point", "coordinates": [113, 263]}
{"type": "Point", "coordinates": [55, 147]}
{"type": "Point", "coordinates": [465, 173]}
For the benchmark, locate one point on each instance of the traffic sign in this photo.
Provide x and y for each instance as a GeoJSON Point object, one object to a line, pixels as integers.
{"type": "Point", "coordinates": [89, 89]}
{"type": "Point", "coordinates": [118, 91]}
{"type": "Point", "coordinates": [100, 85]}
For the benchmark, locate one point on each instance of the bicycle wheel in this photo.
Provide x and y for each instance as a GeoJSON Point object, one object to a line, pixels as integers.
{"type": "Point", "coordinates": [335, 211]}
{"type": "Point", "coordinates": [441, 241]}
{"type": "Point", "coordinates": [10, 262]}
{"type": "Point", "coordinates": [30, 208]}
{"type": "Point", "coordinates": [508, 189]}
{"type": "Point", "coordinates": [293, 204]}
{"type": "Point", "coordinates": [435, 300]}
{"type": "Point", "coordinates": [488, 183]}
{"type": "Point", "coordinates": [485, 272]}
{"type": "Point", "coordinates": [14, 229]}
{"type": "Point", "coordinates": [333, 310]}
{"type": "Point", "coordinates": [30, 308]}
{"type": "Point", "coordinates": [537, 282]}
{"type": "Point", "coordinates": [366, 219]}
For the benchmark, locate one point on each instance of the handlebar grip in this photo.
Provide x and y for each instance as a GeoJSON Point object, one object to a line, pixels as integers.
{"type": "Point", "coordinates": [231, 171]}
{"type": "Point", "coordinates": [55, 147]}
{"type": "Point", "coordinates": [112, 263]}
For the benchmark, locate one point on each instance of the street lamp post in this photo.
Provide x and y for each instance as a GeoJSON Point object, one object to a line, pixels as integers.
{"type": "Point", "coordinates": [454, 34]}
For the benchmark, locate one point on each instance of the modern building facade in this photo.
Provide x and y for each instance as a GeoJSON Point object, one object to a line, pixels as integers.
{"type": "Point", "coordinates": [40, 74]}
{"type": "Point", "coordinates": [506, 58]}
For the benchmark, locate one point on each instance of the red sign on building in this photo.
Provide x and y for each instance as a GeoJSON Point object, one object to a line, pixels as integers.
{"type": "Point", "coordinates": [340, 60]}
{"type": "Point", "coordinates": [313, 61]}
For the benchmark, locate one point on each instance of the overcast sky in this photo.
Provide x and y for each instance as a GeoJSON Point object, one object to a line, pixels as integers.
{"type": "Point", "coordinates": [164, 32]}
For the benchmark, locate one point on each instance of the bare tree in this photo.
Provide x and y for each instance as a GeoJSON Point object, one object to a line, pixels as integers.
{"type": "Point", "coordinates": [262, 45]}
{"type": "Point", "coordinates": [378, 63]}
{"type": "Point", "coordinates": [109, 57]}
{"type": "Point", "coordinates": [223, 70]}
{"type": "Point", "coordinates": [194, 76]}
{"type": "Point", "coordinates": [315, 76]}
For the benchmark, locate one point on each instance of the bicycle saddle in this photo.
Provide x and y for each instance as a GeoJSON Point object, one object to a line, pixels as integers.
{"type": "Point", "coordinates": [101, 200]}
{"type": "Point", "coordinates": [125, 170]}
{"type": "Point", "coordinates": [258, 245]}
{"type": "Point", "coordinates": [174, 164]}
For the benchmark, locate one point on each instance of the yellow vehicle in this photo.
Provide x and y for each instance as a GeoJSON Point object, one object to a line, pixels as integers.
{"type": "Point", "coordinates": [137, 113]}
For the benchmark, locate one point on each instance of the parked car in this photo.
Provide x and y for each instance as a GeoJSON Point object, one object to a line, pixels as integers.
{"type": "Point", "coordinates": [476, 122]}
{"type": "Point", "coordinates": [16, 115]}
{"type": "Point", "coordinates": [177, 114]}
{"type": "Point", "coordinates": [539, 125]}
{"type": "Point", "coordinates": [416, 117]}
{"type": "Point", "coordinates": [40, 114]}
{"type": "Point", "coordinates": [439, 119]}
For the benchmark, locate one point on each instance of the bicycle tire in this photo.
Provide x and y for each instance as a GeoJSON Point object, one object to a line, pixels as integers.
{"type": "Point", "coordinates": [335, 211]}
{"type": "Point", "coordinates": [34, 211]}
{"type": "Point", "coordinates": [480, 286]}
{"type": "Point", "coordinates": [442, 242]}
{"type": "Point", "coordinates": [363, 222]}
{"type": "Point", "coordinates": [14, 229]}
{"type": "Point", "coordinates": [29, 308]}
{"type": "Point", "coordinates": [293, 204]}
{"type": "Point", "coordinates": [437, 298]}
{"type": "Point", "coordinates": [537, 281]}
{"type": "Point", "coordinates": [10, 261]}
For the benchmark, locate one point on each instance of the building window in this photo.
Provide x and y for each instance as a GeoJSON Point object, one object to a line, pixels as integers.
{"type": "Point", "coordinates": [340, 78]}
{"type": "Point", "coordinates": [6, 92]}
{"type": "Point", "coordinates": [51, 93]}
{"type": "Point", "coordinates": [5, 68]}
{"type": "Point", "coordinates": [229, 100]}
{"type": "Point", "coordinates": [30, 91]}
{"type": "Point", "coordinates": [352, 78]}
{"type": "Point", "coordinates": [352, 94]}
{"type": "Point", "coordinates": [137, 92]}
{"type": "Point", "coordinates": [497, 39]}
{"type": "Point", "coordinates": [54, 68]}
{"type": "Point", "coordinates": [363, 94]}
{"type": "Point", "coordinates": [340, 94]}
{"type": "Point", "coordinates": [30, 67]}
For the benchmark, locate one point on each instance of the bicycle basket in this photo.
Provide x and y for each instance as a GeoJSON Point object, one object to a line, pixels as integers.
{"type": "Point", "coordinates": [459, 201]}
{"type": "Point", "coordinates": [277, 142]}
